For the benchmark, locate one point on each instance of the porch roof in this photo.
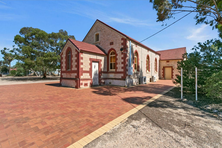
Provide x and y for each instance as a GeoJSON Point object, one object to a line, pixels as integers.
{"type": "Point", "coordinates": [82, 46]}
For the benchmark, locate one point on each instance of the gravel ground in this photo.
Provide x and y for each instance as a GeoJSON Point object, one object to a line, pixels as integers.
{"type": "Point", "coordinates": [27, 79]}
{"type": "Point", "coordinates": [166, 122]}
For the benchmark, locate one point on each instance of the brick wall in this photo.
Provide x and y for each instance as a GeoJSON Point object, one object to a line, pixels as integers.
{"type": "Point", "coordinates": [69, 77]}
{"type": "Point", "coordinates": [109, 39]}
{"type": "Point", "coordinates": [169, 63]}
{"type": "Point", "coordinates": [86, 60]}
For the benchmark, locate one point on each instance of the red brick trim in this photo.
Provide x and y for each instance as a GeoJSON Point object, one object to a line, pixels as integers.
{"type": "Point", "coordinates": [163, 71]}
{"type": "Point", "coordinates": [124, 57]}
{"type": "Point", "coordinates": [138, 66]}
{"type": "Point", "coordinates": [66, 61]}
{"type": "Point", "coordinates": [70, 79]}
{"type": "Point", "coordinates": [76, 61]}
{"type": "Point", "coordinates": [113, 78]}
{"type": "Point", "coordinates": [85, 79]}
{"type": "Point", "coordinates": [100, 69]}
{"type": "Point", "coordinates": [61, 67]}
{"type": "Point", "coordinates": [148, 64]}
{"type": "Point", "coordinates": [79, 66]}
{"type": "Point", "coordinates": [72, 71]}
{"type": "Point", "coordinates": [155, 64]}
{"type": "Point", "coordinates": [112, 49]}
{"type": "Point", "coordinates": [113, 72]}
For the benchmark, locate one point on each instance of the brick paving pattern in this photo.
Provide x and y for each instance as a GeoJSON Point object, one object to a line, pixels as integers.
{"type": "Point", "coordinates": [46, 115]}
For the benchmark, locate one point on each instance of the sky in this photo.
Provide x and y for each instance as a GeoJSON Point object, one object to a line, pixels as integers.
{"type": "Point", "coordinates": [135, 18]}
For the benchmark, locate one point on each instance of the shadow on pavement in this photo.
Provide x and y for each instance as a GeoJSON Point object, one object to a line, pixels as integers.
{"type": "Point", "coordinates": [54, 84]}
{"type": "Point", "coordinates": [137, 100]}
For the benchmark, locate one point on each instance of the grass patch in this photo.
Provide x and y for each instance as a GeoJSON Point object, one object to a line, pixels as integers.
{"type": "Point", "coordinates": [204, 102]}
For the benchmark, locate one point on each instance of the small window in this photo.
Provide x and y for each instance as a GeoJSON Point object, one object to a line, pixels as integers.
{"type": "Point", "coordinates": [69, 60]}
{"type": "Point", "coordinates": [155, 65]}
{"type": "Point", "coordinates": [96, 37]}
{"type": "Point", "coordinates": [112, 61]}
{"type": "Point", "coordinates": [136, 61]}
{"type": "Point", "coordinates": [148, 64]}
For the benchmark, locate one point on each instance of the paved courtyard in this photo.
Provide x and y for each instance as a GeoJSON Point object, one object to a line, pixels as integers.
{"type": "Point", "coordinates": [47, 115]}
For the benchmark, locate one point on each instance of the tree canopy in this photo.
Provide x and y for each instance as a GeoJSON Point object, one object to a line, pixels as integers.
{"type": "Point", "coordinates": [207, 57]}
{"type": "Point", "coordinates": [207, 11]}
{"type": "Point", "coordinates": [39, 50]}
{"type": "Point", "coordinates": [8, 57]}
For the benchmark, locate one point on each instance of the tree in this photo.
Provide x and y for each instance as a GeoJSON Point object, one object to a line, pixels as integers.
{"type": "Point", "coordinates": [38, 50]}
{"type": "Point", "coordinates": [207, 11]}
{"type": "Point", "coordinates": [207, 57]}
{"type": "Point", "coordinates": [213, 85]}
{"type": "Point", "coordinates": [8, 56]}
{"type": "Point", "coordinates": [58, 40]}
{"type": "Point", "coordinates": [1, 64]}
{"type": "Point", "coordinates": [19, 69]}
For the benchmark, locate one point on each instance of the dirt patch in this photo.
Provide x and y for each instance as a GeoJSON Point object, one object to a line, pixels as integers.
{"type": "Point", "coordinates": [26, 79]}
{"type": "Point", "coordinates": [166, 122]}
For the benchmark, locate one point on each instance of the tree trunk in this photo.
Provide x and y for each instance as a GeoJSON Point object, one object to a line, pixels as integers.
{"type": "Point", "coordinates": [9, 67]}
{"type": "Point", "coordinates": [44, 75]}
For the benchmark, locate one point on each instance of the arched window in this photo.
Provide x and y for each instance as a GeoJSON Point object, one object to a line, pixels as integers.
{"type": "Point", "coordinates": [155, 65]}
{"type": "Point", "coordinates": [136, 61]}
{"type": "Point", "coordinates": [68, 60]}
{"type": "Point", "coordinates": [97, 37]}
{"type": "Point", "coordinates": [112, 61]}
{"type": "Point", "coordinates": [148, 63]}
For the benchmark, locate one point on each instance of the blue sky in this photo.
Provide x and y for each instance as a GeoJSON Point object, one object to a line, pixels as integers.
{"type": "Point", "coordinates": [136, 18]}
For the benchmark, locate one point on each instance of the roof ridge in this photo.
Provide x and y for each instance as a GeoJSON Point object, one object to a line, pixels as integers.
{"type": "Point", "coordinates": [172, 49]}
{"type": "Point", "coordinates": [82, 46]}
{"type": "Point", "coordinates": [130, 38]}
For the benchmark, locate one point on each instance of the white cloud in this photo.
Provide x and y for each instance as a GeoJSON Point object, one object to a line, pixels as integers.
{"type": "Point", "coordinates": [2, 2]}
{"type": "Point", "coordinates": [4, 7]}
{"type": "Point", "coordinates": [97, 2]}
{"type": "Point", "coordinates": [199, 34]}
{"type": "Point", "coordinates": [112, 17]}
{"type": "Point", "coordinates": [129, 20]}
{"type": "Point", "coordinates": [7, 17]}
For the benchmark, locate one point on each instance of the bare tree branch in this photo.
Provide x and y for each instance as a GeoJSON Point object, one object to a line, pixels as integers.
{"type": "Point", "coordinates": [202, 5]}
{"type": "Point", "coordinates": [217, 9]}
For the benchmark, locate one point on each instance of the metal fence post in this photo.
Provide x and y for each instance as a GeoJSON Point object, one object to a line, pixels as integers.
{"type": "Point", "coordinates": [181, 83]}
{"type": "Point", "coordinates": [196, 81]}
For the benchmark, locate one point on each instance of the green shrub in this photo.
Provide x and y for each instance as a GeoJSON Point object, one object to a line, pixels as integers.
{"type": "Point", "coordinates": [20, 72]}
{"type": "Point", "coordinates": [12, 72]}
{"type": "Point", "coordinates": [213, 86]}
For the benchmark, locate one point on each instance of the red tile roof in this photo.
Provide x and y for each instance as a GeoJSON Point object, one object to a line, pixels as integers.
{"type": "Point", "coordinates": [172, 54]}
{"type": "Point", "coordinates": [133, 40]}
{"type": "Point", "coordinates": [82, 46]}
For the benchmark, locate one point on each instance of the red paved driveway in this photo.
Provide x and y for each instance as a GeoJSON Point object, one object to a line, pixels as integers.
{"type": "Point", "coordinates": [46, 115]}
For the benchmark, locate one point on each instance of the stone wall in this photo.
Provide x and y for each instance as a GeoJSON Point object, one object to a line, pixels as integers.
{"type": "Point", "coordinates": [142, 64]}
{"type": "Point", "coordinates": [69, 77]}
{"type": "Point", "coordinates": [112, 40]}
{"type": "Point", "coordinates": [169, 63]}
{"type": "Point", "coordinates": [86, 60]}
{"type": "Point", "coordinates": [108, 40]}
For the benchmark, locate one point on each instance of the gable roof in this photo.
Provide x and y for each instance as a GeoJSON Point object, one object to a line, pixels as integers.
{"type": "Point", "coordinates": [82, 46]}
{"type": "Point", "coordinates": [172, 54]}
{"type": "Point", "coordinates": [126, 36]}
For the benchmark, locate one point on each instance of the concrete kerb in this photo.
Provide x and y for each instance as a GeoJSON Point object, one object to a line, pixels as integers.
{"type": "Point", "coordinates": [97, 133]}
